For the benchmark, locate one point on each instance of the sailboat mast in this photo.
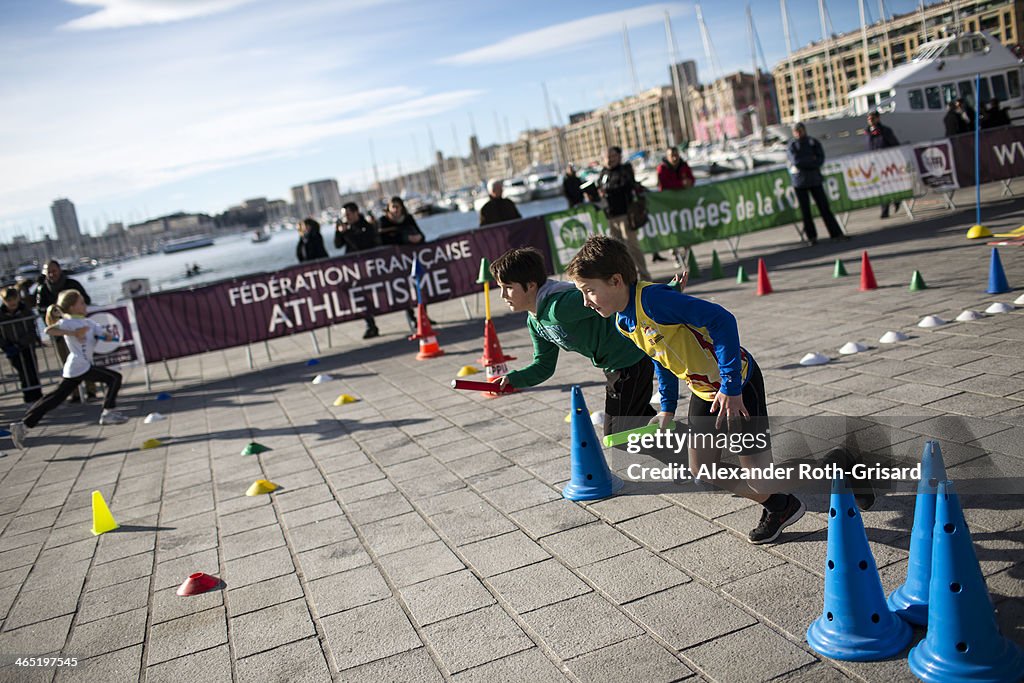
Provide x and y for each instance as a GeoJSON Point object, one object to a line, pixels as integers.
{"type": "Point", "coordinates": [789, 57]}
{"type": "Point", "coordinates": [677, 75]}
{"type": "Point", "coordinates": [826, 38]}
{"type": "Point", "coordinates": [885, 35]}
{"type": "Point", "coordinates": [557, 151]}
{"type": "Point", "coordinates": [762, 117]}
{"type": "Point", "coordinates": [705, 38]}
{"type": "Point", "coordinates": [438, 165]}
{"type": "Point", "coordinates": [864, 40]}
{"type": "Point", "coordinates": [638, 121]}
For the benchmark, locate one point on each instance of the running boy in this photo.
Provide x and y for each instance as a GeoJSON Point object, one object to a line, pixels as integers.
{"type": "Point", "coordinates": [67, 319]}
{"type": "Point", "coordinates": [558, 319]}
{"type": "Point", "coordinates": [697, 341]}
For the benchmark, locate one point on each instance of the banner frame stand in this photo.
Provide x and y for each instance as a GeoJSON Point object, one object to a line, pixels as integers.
{"type": "Point", "coordinates": [734, 246]}
{"type": "Point", "coordinates": [316, 344]}
{"type": "Point", "coordinates": [1006, 187]}
{"type": "Point", "coordinates": [248, 356]}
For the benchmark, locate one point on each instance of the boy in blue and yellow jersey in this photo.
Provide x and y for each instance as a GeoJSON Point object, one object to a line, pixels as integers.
{"type": "Point", "coordinates": [696, 341]}
{"type": "Point", "coordinates": [558, 319]}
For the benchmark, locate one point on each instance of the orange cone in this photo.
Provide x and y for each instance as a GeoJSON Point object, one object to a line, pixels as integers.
{"type": "Point", "coordinates": [764, 285]}
{"type": "Point", "coordinates": [494, 359]}
{"type": "Point", "coordinates": [867, 276]}
{"type": "Point", "coordinates": [429, 348]}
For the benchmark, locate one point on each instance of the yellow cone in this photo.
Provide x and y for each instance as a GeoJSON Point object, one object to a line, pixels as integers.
{"type": "Point", "coordinates": [151, 443]}
{"type": "Point", "coordinates": [978, 231]}
{"type": "Point", "coordinates": [467, 370]}
{"type": "Point", "coordinates": [344, 399]}
{"type": "Point", "coordinates": [102, 520]}
{"type": "Point", "coordinates": [261, 486]}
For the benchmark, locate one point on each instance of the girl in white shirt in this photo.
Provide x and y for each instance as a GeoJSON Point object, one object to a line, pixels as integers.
{"type": "Point", "coordinates": [67, 319]}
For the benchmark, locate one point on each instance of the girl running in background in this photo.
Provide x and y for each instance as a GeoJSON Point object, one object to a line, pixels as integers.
{"type": "Point", "coordinates": [67, 319]}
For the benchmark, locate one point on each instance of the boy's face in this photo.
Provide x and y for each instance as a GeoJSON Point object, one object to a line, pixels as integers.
{"type": "Point", "coordinates": [517, 297]}
{"type": "Point", "coordinates": [607, 297]}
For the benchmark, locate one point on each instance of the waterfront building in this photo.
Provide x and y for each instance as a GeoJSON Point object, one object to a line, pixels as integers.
{"type": "Point", "coordinates": [815, 80]}
{"type": "Point", "coordinates": [65, 219]}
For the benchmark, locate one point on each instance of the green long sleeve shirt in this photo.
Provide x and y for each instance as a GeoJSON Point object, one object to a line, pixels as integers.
{"type": "Point", "coordinates": [563, 322]}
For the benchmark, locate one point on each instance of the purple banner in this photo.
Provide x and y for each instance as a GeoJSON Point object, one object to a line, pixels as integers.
{"type": "Point", "coordinates": [117, 322]}
{"type": "Point", "coordinates": [313, 295]}
{"type": "Point", "coordinates": [1002, 155]}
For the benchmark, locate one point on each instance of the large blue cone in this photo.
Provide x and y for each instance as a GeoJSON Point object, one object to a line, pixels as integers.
{"type": "Point", "coordinates": [963, 642]}
{"type": "Point", "coordinates": [910, 601]}
{"type": "Point", "coordinates": [591, 478]}
{"type": "Point", "coordinates": [856, 624]}
{"type": "Point", "coordinates": [997, 283]}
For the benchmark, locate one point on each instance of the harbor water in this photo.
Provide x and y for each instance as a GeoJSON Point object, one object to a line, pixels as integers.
{"type": "Point", "coordinates": [237, 255]}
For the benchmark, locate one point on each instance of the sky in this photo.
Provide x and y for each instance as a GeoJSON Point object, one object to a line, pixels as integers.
{"type": "Point", "coordinates": [138, 108]}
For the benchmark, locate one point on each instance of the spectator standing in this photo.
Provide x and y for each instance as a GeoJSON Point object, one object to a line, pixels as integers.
{"type": "Point", "coordinates": [806, 158]}
{"type": "Point", "coordinates": [572, 187]}
{"type": "Point", "coordinates": [952, 121]}
{"type": "Point", "coordinates": [498, 209]}
{"type": "Point", "coordinates": [619, 188]}
{"type": "Point", "coordinates": [673, 174]}
{"type": "Point", "coordinates": [311, 242]}
{"type": "Point", "coordinates": [993, 115]}
{"type": "Point", "coordinates": [358, 234]}
{"type": "Point", "coordinates": [52, 282]}
{"type": "Point", "coordinates": [18, 335]}
{"type": "Point", "coordinates": [966, 113]}
{"type": "Point", "coordinates": [398, 227]}
{"type": "Point", "coordinates": [880, 137]}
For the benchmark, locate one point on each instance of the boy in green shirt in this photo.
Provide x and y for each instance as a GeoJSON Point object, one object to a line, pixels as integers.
{"type": "Point", "coordinates": [558, 319]}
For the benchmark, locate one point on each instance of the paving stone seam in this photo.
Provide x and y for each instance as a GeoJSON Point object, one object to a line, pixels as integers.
{"type": "Point", "coordinates": [452, 547]}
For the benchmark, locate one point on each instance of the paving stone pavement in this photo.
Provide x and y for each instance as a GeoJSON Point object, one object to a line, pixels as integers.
{"type": "Point", "coordinates": [419, 534]}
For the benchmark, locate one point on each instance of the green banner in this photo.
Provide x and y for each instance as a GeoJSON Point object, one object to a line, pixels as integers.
{"type": "Point", "coordinates": [733, 207]}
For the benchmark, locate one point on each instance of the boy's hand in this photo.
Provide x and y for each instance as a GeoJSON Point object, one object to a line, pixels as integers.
{"type": "Point", "coordinates": [662, 419]}
{"type": "Point", "coordinates": [501, 381]}
{"type": "Point", "coordinates": [728, 408]}
{"type": "Point", "coordinates": [679, 280]}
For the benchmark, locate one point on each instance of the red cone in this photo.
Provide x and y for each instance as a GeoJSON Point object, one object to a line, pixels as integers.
{"type": "Point", "coordinates": [764, 285]}
{"type": "Point", "coordinates": [198, 583]}
{"type": "Point", "coordinates": [494, 359]}
{"type": "Point", "coordinates": [867, 276]}
{"type": "Point", "coordinates": [429, 348]}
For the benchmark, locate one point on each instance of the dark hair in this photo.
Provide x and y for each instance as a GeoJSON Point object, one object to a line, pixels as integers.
{"type": "Point", "coordinates": [615, 148]}
{"type": "Point", "coordinates": [311, 223]}
{"type": "Point", "coordinates": [350, 206]}
{"type": "Point", "coordinates": [601, 257]}
{"type": "Point", "coordinates": [9, 292]}
{"type": "Point", "coordinates": [521, 266]}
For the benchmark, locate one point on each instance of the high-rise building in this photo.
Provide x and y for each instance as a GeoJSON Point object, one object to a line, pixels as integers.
{"type": "Point", "coordinates": [65, 219]}
{"type": "Point", "coordinates": [300, 200]}
{"type": "Point", "coordinates": [815, 80]}
{"type": "Point", "coordinates": [324, 195]}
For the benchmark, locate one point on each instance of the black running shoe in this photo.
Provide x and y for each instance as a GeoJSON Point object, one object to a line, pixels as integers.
{"type": "Point", "coordinates": [772, 523]}
{"type": "Point", "coordinates": [371, 332]}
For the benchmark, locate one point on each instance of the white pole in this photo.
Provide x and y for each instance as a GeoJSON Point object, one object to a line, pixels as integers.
{"type": "Point", "coordinates": [789, 56]}
{"type": "Point", "coordinates": [826, 39]}
{"type": "Point", "coordinates": [864, 41]}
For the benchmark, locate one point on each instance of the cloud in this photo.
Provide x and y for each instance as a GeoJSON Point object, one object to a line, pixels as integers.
{"type": "Point", "coordinates": [562, 36]}
{"type": "Point", "coordinates": [125, 13]}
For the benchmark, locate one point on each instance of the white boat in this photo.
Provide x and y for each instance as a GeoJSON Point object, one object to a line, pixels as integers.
{"type": "Point", "coordinates": [261, 236]}
{"type": "Point", "coordinates": [517, 189]}
{"type": "Point", "coordinates": [912, 97]}
{"type": "Point", "coordinates": [544, 185]}
{"type": "Point", "coordinates": [185, 243]}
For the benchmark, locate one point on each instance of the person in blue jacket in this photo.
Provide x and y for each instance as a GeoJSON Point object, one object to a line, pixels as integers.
{"type": "Point", "coordinates": [805, 160]}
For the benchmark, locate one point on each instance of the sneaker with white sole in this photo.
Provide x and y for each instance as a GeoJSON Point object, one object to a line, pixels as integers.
{"type": "Point", "coordinates": [112, 417]}
{"type": "Point", "coordinates": [772, 523]}
{"type": "Point", "coordinates": [18, 432]}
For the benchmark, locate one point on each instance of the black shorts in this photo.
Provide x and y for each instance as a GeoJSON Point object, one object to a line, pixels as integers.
{"type": "Point", "coordinates": [628, 395]}
{"type": "Point", "coordinates": [751, 436]}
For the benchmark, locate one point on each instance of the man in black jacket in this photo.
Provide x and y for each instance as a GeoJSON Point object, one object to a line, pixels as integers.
{"type": "Point", "coordinates": [356, 233]}
{"type": "Point", "coordinates": [880, 137]}
{"type": "Point", "coordinates": [498, 209]}
{"type": "Point", "coordinates": [52, 282]}
{"type": "Point", "coordinates": [806, 158]}
{"type": "Point", "coordinates": [620, 190]}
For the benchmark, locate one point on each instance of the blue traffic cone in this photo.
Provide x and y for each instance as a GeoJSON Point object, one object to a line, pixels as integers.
{"type": "Point", "coordinates": [856, 624]}
{"type": "Point", "coordinates": [591, 479]}
{"type": "Point", "coordinates": [963, 641]}
{"type": "Point", "coordinates": [997, 283]}
{"type": "Point", "coordinates": [910, 601]}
